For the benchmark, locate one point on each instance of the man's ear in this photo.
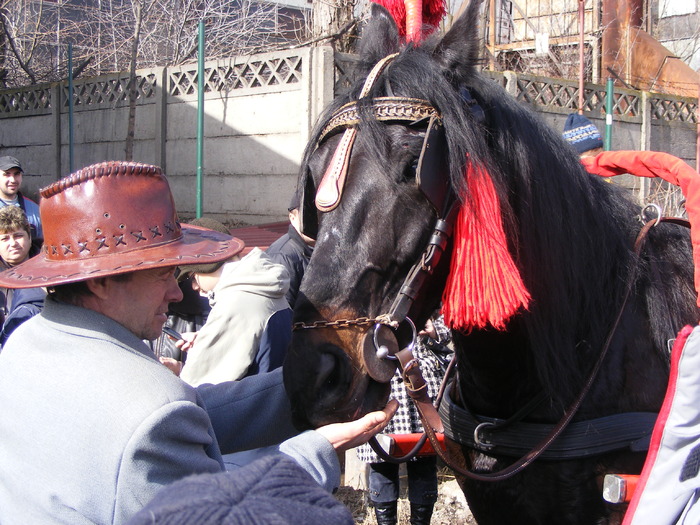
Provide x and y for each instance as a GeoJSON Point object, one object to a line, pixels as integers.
{"type": "Point", "coordinates": [294, 218]}
{"type": "Point", "coordinates": [99, 287]}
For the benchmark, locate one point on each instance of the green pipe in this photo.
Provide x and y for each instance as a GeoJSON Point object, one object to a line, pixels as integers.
{"type": "Point", "coordinates": [609, 104]}
{"type": "Point", "coordinates": [71, 142]}
{"type": "Point", "coordinates": [200, 118]}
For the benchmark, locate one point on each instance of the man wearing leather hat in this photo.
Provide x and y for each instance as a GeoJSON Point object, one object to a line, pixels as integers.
{"type": "Point", "coordinates": [93, 425]}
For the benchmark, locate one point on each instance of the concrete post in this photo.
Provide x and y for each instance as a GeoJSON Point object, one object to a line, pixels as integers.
{"type": "Point", "coordinates": [161, 118]}
{"type": "Point", "coordinates": [645, 131]}
{"type": "Point", "coordinates": [511, 83]}
{"type": "Point", "coordinates": [356, 471]}
{"type": "Point", "coordinates": [320, 84]}
{"type": "Point", "coordinates": [645, 143]}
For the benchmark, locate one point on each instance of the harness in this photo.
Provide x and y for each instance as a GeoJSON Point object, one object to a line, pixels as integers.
{"type": "Point", "coordinates": [393, 336]}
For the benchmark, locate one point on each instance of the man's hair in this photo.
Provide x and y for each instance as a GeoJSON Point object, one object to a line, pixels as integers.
{"type": "Point", "coordinates": [72, 293]}
{"type": "Point", "coordinates": [12, 219]}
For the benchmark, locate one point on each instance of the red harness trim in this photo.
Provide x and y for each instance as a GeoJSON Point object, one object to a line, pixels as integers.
{"type": "Point", "coordinates": [656, 164]}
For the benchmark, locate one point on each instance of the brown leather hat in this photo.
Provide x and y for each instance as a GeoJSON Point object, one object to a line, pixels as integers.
{"type": "Point", "coordinates": [114, 218]}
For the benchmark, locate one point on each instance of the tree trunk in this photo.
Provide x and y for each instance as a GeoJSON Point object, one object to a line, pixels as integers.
{"type": "Point", "coordinates": [132, 87]}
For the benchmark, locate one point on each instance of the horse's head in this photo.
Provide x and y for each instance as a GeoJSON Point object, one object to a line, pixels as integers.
{"type": "Point", "coordinates": [377, 187]}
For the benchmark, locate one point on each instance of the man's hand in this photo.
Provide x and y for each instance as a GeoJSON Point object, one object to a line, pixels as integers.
{"type": "Point", "coordinates": [429, 330]}
{"type": "Point", "coordinates": [173, 365]}
{"type": "Point", "coordinates": [344, 436]}
{"type": "Point", "coordinates": [187, 341]}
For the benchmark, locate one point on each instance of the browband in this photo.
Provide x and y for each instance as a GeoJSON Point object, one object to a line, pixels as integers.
{"type": "Point", "coordinates": [384, 109]}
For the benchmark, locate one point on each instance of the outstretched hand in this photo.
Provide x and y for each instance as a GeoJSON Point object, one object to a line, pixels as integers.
{"type": "Point", "coordinates": [344, 436]}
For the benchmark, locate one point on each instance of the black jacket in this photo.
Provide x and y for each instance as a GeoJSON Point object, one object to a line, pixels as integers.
{"type": "Point", "coordinates": [291, 251]}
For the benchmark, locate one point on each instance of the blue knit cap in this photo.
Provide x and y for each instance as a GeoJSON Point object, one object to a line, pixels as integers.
{"type": "Point", "coordinates": [273, 490]}
{"type": "Point", "coordinates": [581, 133]}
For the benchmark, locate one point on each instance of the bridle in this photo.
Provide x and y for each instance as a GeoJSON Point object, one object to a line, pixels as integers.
{"type": "Point", "coordinates": [381, 349]}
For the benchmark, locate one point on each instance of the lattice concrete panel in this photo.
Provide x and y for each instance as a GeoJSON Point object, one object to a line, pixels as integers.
{"type": "Point", "coordinates": [109, 92]}
{"type": "Point", "coordinates": [551, 93]}
{"type": "Point", "coordinates": [253, 73]}
{"type": "Point", "coordinates": [671, 110]}
{"type": "Point", "coordinates": [33, 100]}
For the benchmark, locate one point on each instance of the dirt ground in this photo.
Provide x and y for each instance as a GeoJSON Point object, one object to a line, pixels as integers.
{"type": "Point", "coordinates": [450, 509]}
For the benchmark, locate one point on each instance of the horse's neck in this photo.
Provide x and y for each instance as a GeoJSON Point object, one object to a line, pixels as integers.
{"type": "Point", "coordinates": [496, 373]}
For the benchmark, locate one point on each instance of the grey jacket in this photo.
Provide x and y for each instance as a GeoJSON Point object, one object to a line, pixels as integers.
{"type": "Point", "coordinates": [93, 425]}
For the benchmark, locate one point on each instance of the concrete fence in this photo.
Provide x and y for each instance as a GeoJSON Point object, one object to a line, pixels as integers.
{"type": "Point", "coordinates": [259, 111]}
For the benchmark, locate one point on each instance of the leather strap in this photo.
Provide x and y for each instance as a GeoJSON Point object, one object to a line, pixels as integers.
{"type": "Point", "coordinates": [330, 189]}
{"type": "Point", "coordinates": [417, 389]}
{"type": "Point", "coordinates": [424, 268]}
{"type": "Point", "coordinates": [631, 430]}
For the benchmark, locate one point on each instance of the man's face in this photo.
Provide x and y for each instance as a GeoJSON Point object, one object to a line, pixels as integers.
{"type": "Point", "coordinates": [14, 246]}
{"type": "Point", "coordinates": [10, 181]}
{"type": "Point", "coordinates": [140, 303]}
{"type": "Point", "coordinates": [295, 219]}
{"type": "Point", "coordinates": [205, 282]}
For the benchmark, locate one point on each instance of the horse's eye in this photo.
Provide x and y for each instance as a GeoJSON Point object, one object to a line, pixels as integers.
{"type": "Point", "coordinates": [410, 171]}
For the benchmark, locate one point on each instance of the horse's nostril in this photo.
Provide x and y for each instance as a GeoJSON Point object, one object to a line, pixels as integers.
{"type": "Point", "coordinates": [326, 371]}
{"type": "Point", "coordinates": [326, 364]}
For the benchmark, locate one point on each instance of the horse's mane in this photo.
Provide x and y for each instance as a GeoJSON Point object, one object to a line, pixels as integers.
{"type": "Point", "coordinates": [570, 233]}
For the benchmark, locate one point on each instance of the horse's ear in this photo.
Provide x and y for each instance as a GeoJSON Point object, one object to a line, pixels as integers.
{"type": "Point", "coordinates": [459, 49]}
{"type": "Point", "coordinates": [380, 37]}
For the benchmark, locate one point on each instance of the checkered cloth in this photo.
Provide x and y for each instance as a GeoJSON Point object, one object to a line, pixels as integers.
{"type": "Point", "coordinates": [407, 420]}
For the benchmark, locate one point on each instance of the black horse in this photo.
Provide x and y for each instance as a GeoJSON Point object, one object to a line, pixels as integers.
{"type": "Point", "coordinates": [569, 234]}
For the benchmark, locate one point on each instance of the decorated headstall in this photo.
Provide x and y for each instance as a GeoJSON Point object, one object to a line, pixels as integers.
{"type": "Point", "coordinates": [431, 173]}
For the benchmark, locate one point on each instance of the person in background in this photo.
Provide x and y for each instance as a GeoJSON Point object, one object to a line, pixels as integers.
{"type": "Point", "coordinates": [249, 327]}
{"type": "Point", "coordinates": [16, 243]}
{"type": "Point", "coordinates": [434, 354]}
{"type": "Point", "coordinates": [16, 246]}
{"type": "Point", "coordinates": [582, 134]}
{"type": "Point", "coordinates": [293, 250]}
{"type": "Point", "coordinates": [188, 315]}
{"type": "Point", "coordinates": [10, 182]}
{"type": "Point", "coordinates": [93, 426]}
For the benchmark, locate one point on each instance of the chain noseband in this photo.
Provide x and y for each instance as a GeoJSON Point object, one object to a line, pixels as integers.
{"type": "Point", "coordinates": [346, 323]}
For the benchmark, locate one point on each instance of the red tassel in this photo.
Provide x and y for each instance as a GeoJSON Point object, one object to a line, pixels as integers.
{"type": "Point", "coordinates": [484, 286]}
{"type": "Point", "coordinates": [423, 17]}
{"type": "Point", "coordinates": [433, 13]}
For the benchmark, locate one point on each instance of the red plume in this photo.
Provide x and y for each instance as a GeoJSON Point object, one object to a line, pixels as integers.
{"type": "Point", "coordinates": [414, 18]}
{"type": "Point", "coordinates": [484, 286]}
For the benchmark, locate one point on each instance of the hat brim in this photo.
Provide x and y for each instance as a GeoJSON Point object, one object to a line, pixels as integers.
{"type": "Point", "coordinates": [196, 246]}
